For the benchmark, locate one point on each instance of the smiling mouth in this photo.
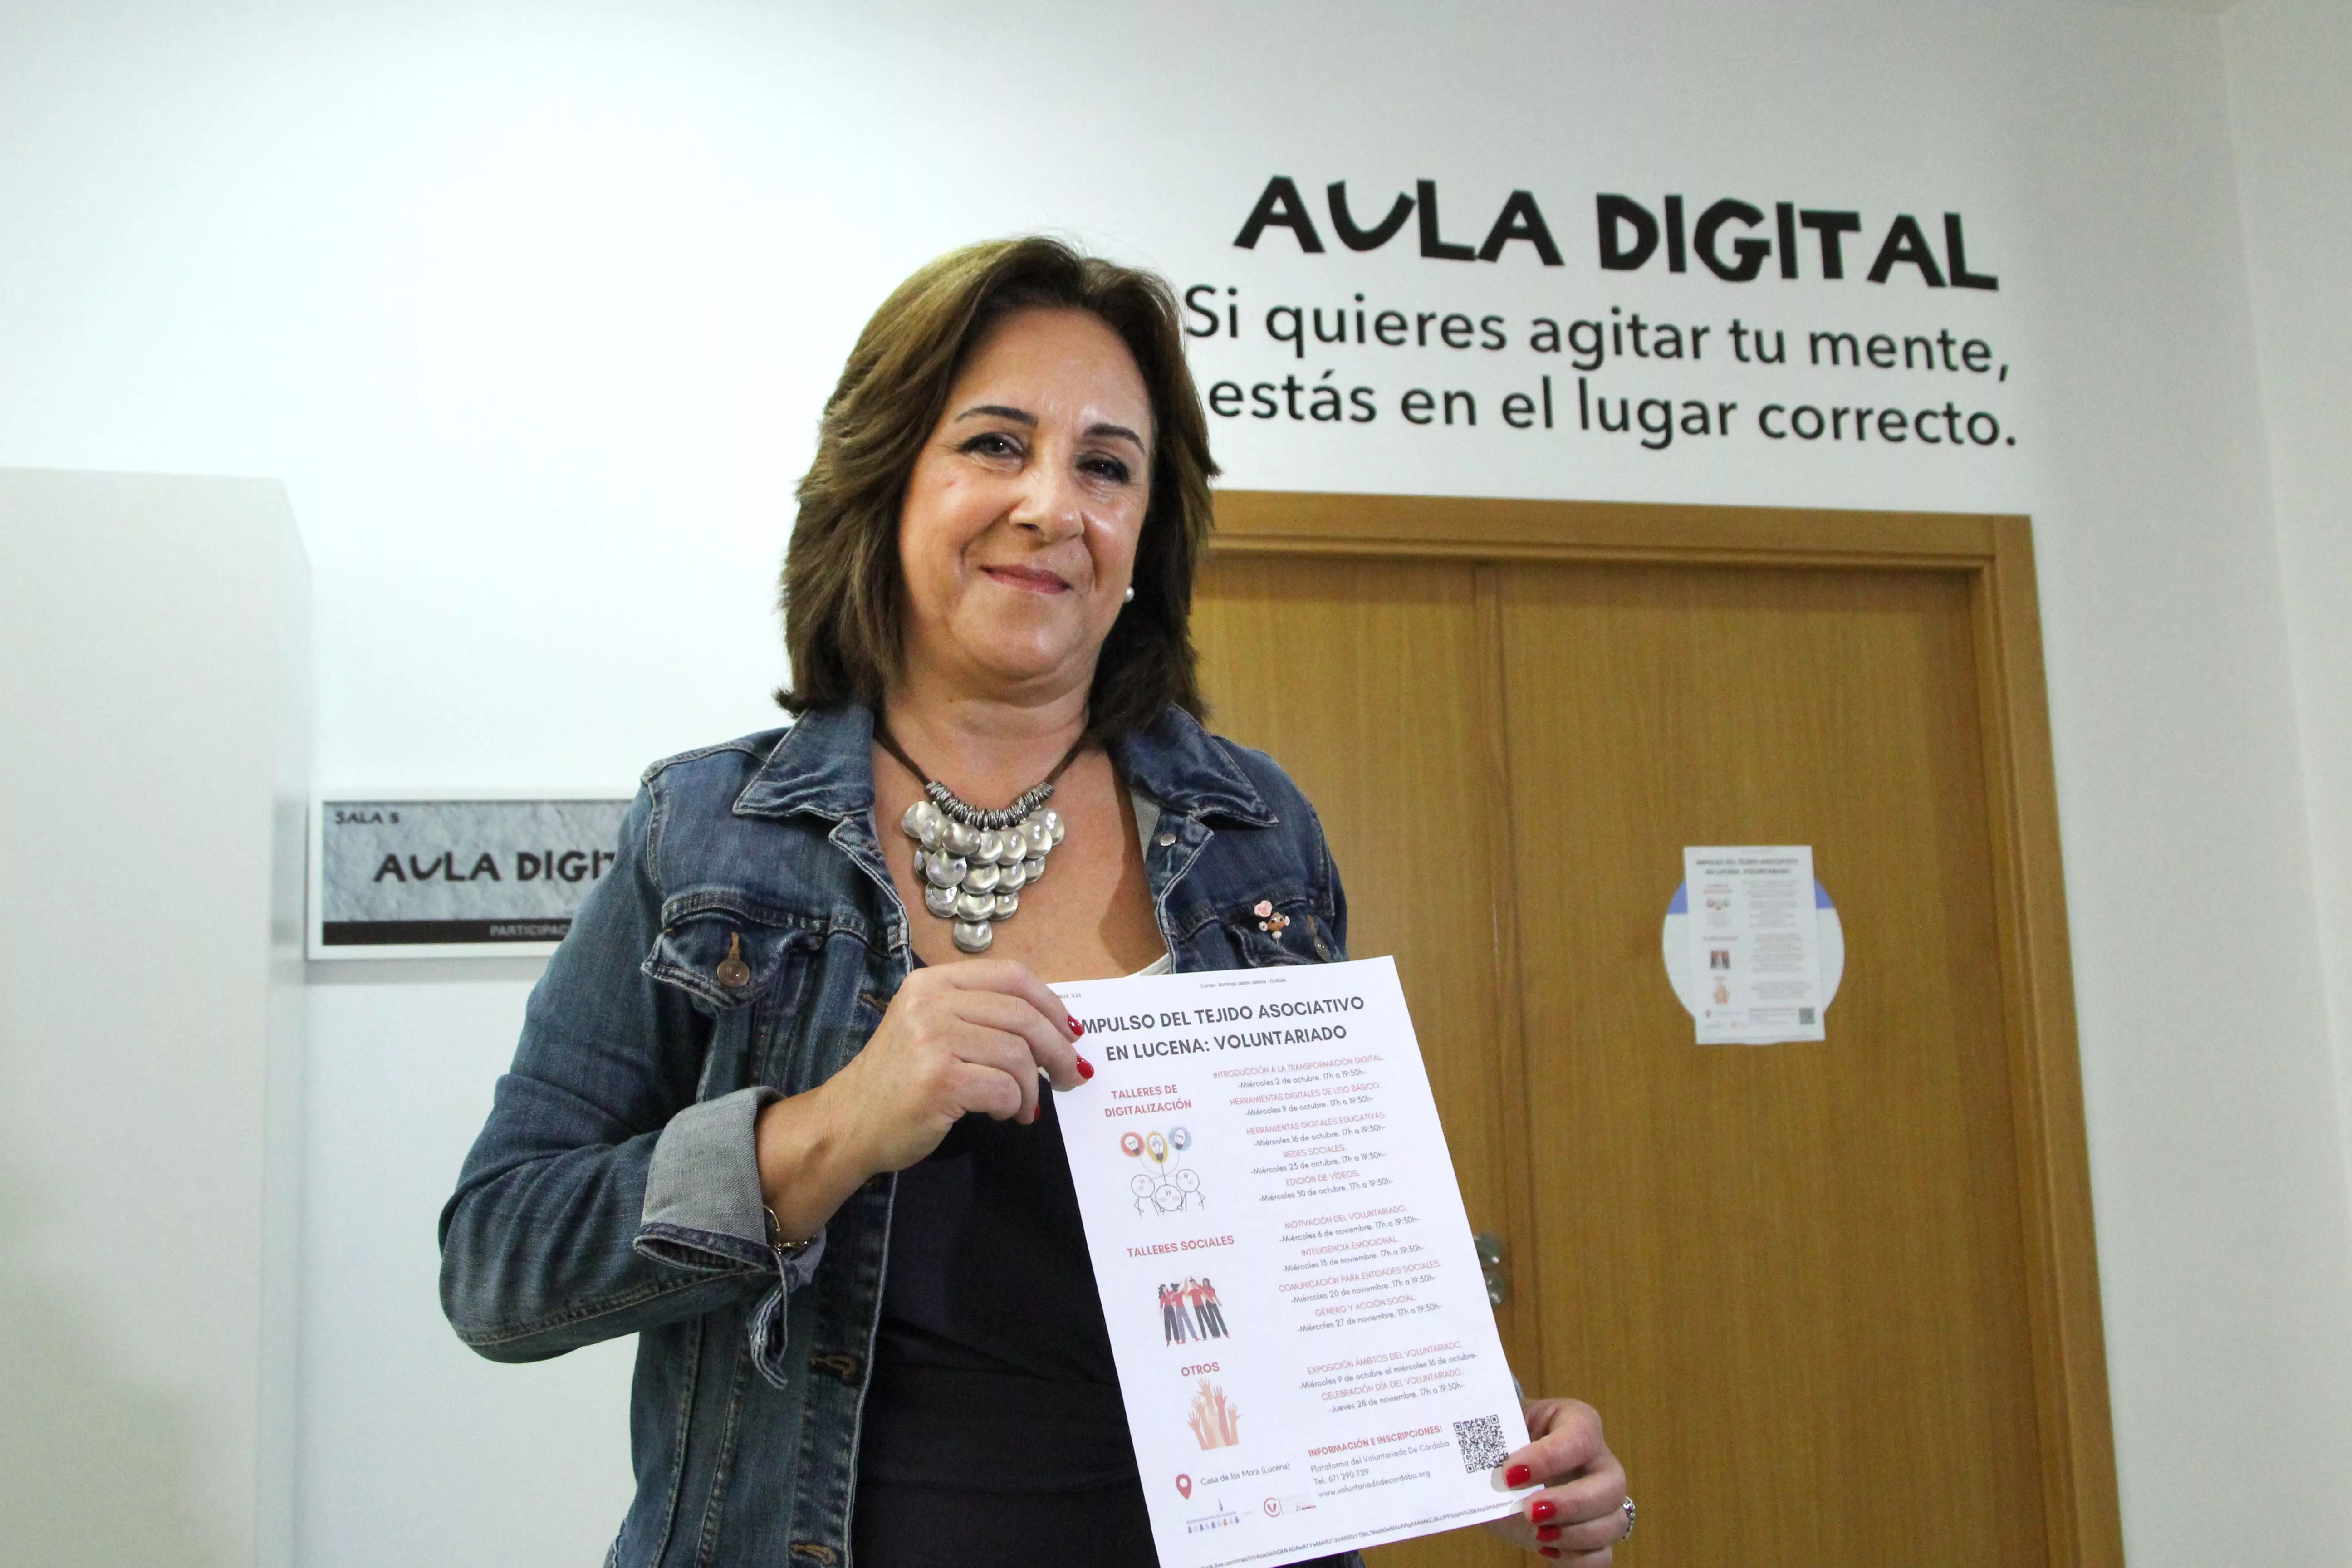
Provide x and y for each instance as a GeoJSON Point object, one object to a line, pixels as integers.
{"type": "Point", "coordinates": [1027, 578]}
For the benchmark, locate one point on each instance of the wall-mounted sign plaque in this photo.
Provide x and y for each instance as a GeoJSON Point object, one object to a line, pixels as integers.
{"type": "Point", "coordinates": [423, 877]}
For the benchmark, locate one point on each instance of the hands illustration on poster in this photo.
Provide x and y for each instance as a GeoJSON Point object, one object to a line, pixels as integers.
{"type": "Point", "coordinates": [1215, 1420]}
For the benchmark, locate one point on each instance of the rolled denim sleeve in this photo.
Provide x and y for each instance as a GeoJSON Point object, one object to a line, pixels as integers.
{"type": "Point", "coordinates": [704, 1209]}
{"type": "Point", "coordinates": [539, 1243]}
{"type": "Point", "coordinates": [705, 1212]}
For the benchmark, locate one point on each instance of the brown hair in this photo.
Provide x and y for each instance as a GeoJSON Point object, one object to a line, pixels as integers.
{"type": "Point", "coordinates": [841, 579]}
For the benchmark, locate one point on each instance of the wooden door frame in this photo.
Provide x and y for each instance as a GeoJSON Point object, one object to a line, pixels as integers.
{"type": "Point", "coordinates": [1995, 554]}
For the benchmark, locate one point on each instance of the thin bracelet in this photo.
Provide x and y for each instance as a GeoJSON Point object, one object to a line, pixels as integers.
{"type": "Point", "coordinates": [784, 1250]}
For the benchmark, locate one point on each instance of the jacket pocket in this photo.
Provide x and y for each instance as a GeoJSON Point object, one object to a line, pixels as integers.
{"type": "Point", "coordinates": [1271, 931]}
{"type": "Point", "coordinates": [726, 951]}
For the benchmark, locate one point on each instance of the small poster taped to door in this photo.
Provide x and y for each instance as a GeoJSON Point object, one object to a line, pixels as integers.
{"type": "Point", "coordinates": [396, 876]}
{"type": "Point", "coordinates": [1755, 943]}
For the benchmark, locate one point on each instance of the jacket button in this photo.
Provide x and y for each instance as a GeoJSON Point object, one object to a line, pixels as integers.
{"type": "Point", "coordinates": [1166, 839]}
{"type": "Point", "coordinates": [732, 972]}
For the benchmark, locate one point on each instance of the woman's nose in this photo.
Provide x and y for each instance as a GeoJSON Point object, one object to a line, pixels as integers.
{"type": "Point", "coordinates": [1050, 503]}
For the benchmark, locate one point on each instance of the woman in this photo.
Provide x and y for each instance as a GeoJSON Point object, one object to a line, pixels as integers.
{"type": "Point", "coordinates": [776, 1107]}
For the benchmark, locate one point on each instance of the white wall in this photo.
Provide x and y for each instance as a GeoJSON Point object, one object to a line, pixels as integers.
{"type": "Point", "coordinates": [2215, 1145]}
{"type": "Point", "coordinates": [415, 1450]}
{"type": "Point", "coordinates": [2288, 62]}
{"type": "Point", "coordinates": [533, 308]}
{"type": "Point", "coordinates": [154, 753]}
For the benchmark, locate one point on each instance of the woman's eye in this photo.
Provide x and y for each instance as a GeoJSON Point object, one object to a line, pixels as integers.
{"type": "Point", "coordinates": [1109, 469]}
{"type": "Point", "coordinates": [993, 444]}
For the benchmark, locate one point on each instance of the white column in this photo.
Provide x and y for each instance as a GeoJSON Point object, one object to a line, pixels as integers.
{"type": "Point", "coordinates": [154, 764]}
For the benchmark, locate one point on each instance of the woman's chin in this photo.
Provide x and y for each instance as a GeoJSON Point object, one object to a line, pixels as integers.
{"type": "Point", "coordinates": [1025, 665]}
{"type": "Point", "coordinates": [1025, 651]}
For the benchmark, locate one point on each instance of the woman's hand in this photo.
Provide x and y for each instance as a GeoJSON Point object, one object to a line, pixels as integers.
{"type": "Point", "coordinates": [957, 1039]}
{"type": "Point", "coordinates": [1579, 1516]}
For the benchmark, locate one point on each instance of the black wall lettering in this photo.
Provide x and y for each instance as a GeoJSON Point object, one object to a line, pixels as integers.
{"type": "Point", "coordinates": [1279, 208]}
{"type": "Point", "coordinates": [1904, 244]}
{"type": "Point", "coordinates": [1430, 245]}
{"type": "Point", "coordinates": [1830, 226]}
{"type": "Point", "coordinates": [1193, 307]}
{"type": "Point", "coordinates": [1956, 253]}
{"type": "Point", "coordinates": [1750, 251]}
{"type": "Point", "coordinates": [1371, 238]}
{"type": "Point", "coordinates": [1617, 215]}
{"type": "Point", "coordinates": [1519, 219]}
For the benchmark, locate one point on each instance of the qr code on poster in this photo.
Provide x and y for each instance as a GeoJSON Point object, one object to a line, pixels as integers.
{"type": "Point", "coordinates": [1804, 1015]}
{"type": "Point", "coordinates": [1481, 1442]}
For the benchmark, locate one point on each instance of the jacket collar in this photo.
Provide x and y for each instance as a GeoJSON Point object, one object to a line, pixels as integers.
{"type": "Point", "coordinates": [1189, 772]}
{"type": "Point", "coordinates": [824, 766]}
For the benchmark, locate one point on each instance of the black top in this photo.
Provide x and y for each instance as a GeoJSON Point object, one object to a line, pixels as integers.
{"type": "Point", "coordinates": [993, 1370]}
{"type": "Point", "coordinates": [993, 1430]}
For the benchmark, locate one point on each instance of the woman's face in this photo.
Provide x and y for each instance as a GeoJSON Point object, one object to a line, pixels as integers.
{"type": "Point", "coordinates": [1017, 536]}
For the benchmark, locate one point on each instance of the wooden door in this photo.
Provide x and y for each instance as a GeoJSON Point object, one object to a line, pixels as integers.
{"type": "Point", "coordinates": [1834, 1299]}
{"type": "Point", "coordinates": [1330, 665]}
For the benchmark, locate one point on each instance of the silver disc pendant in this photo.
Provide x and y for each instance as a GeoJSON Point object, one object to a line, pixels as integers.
{"type": "Point", "coordinates": [972, 874]}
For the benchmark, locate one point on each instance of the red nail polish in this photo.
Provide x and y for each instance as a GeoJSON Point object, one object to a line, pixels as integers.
{"type": "Point", "coordinates": [1543, 1510]}
{"type": "Point", "coordinates": [1077, 1028]}
{"type": "Point", "coordinates": [1085, 1067]}
{"type": "Point", "coordinates": [1547, 1532]}
{"type": "Point", "coordinates": [1519, 1476]}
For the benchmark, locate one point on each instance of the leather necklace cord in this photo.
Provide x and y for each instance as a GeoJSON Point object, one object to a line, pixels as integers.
{"type": "Point", "coordinates": [890, 743]}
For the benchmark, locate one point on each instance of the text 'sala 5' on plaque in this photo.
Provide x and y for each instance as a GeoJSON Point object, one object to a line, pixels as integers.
{"type": "Point", "coordinates": [414, 876]}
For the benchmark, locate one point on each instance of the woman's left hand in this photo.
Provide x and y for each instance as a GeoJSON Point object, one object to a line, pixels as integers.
{"type": "Point", "coordinates": [1579, 1515]}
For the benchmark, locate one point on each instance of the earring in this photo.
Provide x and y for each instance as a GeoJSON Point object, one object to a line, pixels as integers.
{"type": "Point", "coordinates": [1130, 598]}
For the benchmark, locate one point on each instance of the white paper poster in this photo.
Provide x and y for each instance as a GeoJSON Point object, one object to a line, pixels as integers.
{"type": "Point", "coordinates": [1303, 1342]}
{"type": "Point", "coordinates": [1755, 943]}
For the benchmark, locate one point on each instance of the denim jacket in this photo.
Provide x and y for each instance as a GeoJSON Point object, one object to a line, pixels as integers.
{"type": "Point", "coordinates": [614, 1188]}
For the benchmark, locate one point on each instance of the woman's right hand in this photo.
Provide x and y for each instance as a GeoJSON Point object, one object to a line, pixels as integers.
{"type": "Point", "coordinates": [957, 1038]}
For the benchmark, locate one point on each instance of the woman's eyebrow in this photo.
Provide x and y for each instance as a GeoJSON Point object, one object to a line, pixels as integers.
{"type": "Point", "coordinates": [1023, 417]}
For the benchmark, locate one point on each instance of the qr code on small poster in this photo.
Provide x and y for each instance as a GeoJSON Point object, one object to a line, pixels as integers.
{"type": "Point", "coordinates": [1481, 1442]}
{"type": "Point", "coordinates": [1805, 1016]}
